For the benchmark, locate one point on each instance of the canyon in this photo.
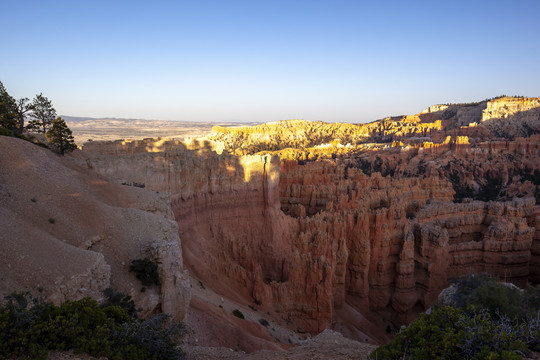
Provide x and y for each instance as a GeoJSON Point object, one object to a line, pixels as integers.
{"type": "Point", "coordinates": [311, 226]}
{"type": "Point", "coordinates": [287, 217]}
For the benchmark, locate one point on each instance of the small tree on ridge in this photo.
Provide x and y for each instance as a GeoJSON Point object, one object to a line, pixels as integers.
{"type": "Point", "coordinates": [60, 136]}
{"type": "Point", "coordinates": [8, 110]}
{"type": "Point", "coordinates": [42, 114]}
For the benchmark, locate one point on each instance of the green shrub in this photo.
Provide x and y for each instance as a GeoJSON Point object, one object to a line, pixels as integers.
{"type": "Point", "coordinates": [116, 298]}
{"type": "Point", "coordinates": [5, 132]}
{"type": "Point", "coordinates": [238, 314]}
{"type": "Point", "coordinates": [451, 333]}
{"type": "Point", "coordinates": [29, 327]}
{"type": "Point", "coordinates": [484, 292]}
{"type": "Point", "coordinates": [156, 336]}
{"type": "Point", "coordinates": [488, 320]}
{"type": "Point", "coordinates": [146, 271]}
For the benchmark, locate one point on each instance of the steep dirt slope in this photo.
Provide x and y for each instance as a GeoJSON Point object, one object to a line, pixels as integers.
{"type": "Point", "coordinates": [75, 235]}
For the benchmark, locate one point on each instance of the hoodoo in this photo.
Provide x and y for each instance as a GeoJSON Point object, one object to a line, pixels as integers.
{"type": "Point", "coordinates": [316, 221]}
{"type": "Point", "coordinates": [305, 225]}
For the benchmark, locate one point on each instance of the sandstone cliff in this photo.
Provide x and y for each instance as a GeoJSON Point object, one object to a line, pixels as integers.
{"type": "Point", "coordinates": [325, 229]}
{"type": "Point", "coordinates": [308, 238]}
{"type": "Point", "coordinates": [503, 117]}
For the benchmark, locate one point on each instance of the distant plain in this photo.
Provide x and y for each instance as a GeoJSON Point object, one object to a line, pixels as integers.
{"type": "Point", "coordinates": [107, 129]}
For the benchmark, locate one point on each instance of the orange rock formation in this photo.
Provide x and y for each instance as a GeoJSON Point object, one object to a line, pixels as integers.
{"type": "Point", "coordinates": [356, 227]}
{"type": "Point", "coordinates": [306, 238]}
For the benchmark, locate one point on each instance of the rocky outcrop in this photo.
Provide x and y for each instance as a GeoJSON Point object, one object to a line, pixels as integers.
{"type": "Point", "coordinates": [503, 117]}
{"type": "Point", "coordinates": [511, 117]}
{"type": "Point", "coordinates": [487, 237]}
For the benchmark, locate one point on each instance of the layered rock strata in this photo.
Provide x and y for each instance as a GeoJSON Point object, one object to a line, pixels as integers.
{"type": "Point", "coordinates": [503, 117]}
{"type": "Point", "coordinates": [307, 238]}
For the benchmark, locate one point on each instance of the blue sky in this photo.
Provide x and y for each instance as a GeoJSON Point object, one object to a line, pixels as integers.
{"type": "Point", "coordinates": [347, 61]}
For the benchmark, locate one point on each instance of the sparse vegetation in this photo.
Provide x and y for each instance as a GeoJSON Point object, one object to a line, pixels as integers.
{"type": "Point", "coordinates": [238, 314]}
{"type": "Point", "coordinates": [30, 327]}
{"type": "Point", "coordinates": [135, 184]}
{"type": "Point", "coordinates": [490, 185]}
{"type": "Point", "coordinates": [116, 298]}
{"type": "Point", "coordinates": [264, 322]}
{"type": "Point", "coordinates": [42, 114]}
{"type": "Point", "coordinates": [52, 221]}
{"type": "Point", "coordinates": [485, 100]}
{"type": "Point", "coordinates": [146, 271]}
{"type": "Point", "coordinates": [488, 320]}
{"type": "Point", "coordinates": [42, 119]}
{"type": "Point", "coordinates": [60, 136]}
{"type": "Point", "coordinates": [12, 113]}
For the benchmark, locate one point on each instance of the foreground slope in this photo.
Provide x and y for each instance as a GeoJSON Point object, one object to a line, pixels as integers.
{"type": "Point", "coordinates": [75, 235]}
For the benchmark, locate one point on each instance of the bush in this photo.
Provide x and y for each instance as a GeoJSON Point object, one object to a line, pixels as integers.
{"type": "Point", "coordinates": [452, 333]}
{"type": "Point", "coordinates": [116, 298]}
{"type": "Point", "coordinates": [146, 271]}
{"type": "Point", "coordinates": [498, 299]}
{"type": "Point", "coordinates": [5, 132]}
{"type": "Point", "coordinates": [29, 327]}
{"type": "Point", "coordinates": [488, 320]}
{"type": "Point", "coordinates": [238, 314]}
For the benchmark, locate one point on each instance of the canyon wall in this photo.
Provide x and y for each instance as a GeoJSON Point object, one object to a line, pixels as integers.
{"type": "Point", "coordinates": [403, 239]}
{"type": "Point", "coordinates": [235, 238]}
{"type": "Point", "coordinates": [321, 219]}
{"type": "Point", "coordinates": [305, 238]}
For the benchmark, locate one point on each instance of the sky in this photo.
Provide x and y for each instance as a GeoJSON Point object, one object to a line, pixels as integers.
{"type": "Point", "coordinates": [226, 60]}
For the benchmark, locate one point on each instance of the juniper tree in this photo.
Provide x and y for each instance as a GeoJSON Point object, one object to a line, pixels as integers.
{"type": "Point", "coordinates": [60, 136]}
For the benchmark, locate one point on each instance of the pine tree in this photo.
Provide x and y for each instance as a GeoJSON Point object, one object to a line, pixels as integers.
{"type": "Point", "coordinates": [60, 136]}
{"type": "Point", "coordinates": [42, 114]}
{"type": "Point", "coordinates": [8, 110]}
{"type": "Point", "coordinates": [22, 108]}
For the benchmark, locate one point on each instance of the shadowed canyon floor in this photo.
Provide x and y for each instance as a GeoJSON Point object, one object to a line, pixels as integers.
{"type": "Point", "coordinates": [300, 226]}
